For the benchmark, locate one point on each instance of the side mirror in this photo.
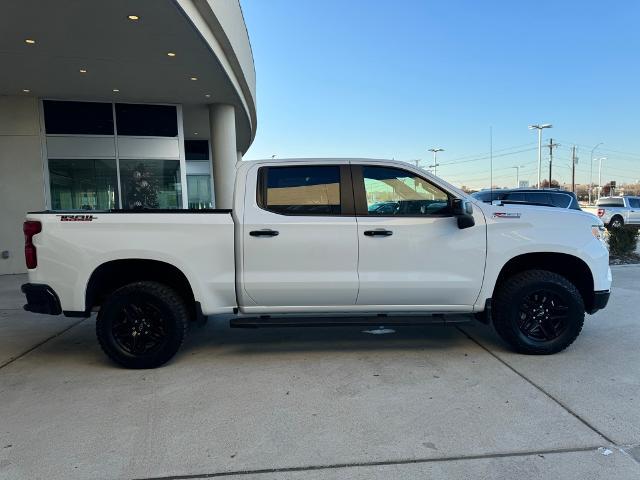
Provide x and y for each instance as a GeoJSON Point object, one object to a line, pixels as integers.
{"type": "Point", "coordinates": [463, 209]}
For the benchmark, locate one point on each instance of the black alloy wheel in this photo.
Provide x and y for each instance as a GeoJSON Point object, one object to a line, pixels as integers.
{"type": "Point", "coordinates": [140, 328]}
{"type": "Point", "coordinates": [543, 315]}
{"type": "Point", "coordinates": [142, 325]}
{"type": "Point", "coordinates": [538, 312]}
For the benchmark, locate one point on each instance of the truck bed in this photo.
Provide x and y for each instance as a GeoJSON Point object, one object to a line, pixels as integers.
{"type": "Point", "coordinates": [74, 244]}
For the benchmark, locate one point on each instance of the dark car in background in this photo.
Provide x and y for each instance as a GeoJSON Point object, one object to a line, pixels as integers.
{"type": "Point", "coordinates": [548, 197]}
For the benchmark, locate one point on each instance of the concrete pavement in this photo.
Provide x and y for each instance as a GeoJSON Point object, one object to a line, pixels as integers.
{"type": "Point", "coordinates": [436, 402]}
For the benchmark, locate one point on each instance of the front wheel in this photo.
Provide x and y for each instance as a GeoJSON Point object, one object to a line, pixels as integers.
{"type": "Point", "coordinates": [538, 312]}
{"type": "Point", "coordinates": [142, 325]}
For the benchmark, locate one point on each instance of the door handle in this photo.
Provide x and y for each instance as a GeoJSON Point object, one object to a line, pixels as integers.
{"type": "Point", "coordinates": [378, 233]}
{"type": "Point", "coordinates": [264, 233]}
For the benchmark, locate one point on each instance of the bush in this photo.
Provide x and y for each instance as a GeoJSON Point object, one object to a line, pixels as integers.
{"type": "Point", "coordinates": [623, 241]}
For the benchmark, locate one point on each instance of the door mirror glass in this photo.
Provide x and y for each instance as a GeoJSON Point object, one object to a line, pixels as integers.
{"type": "Point", "coordinates": [463, 209]}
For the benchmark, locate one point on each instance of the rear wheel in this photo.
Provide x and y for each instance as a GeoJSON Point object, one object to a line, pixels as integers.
{"type": "Point", "coordinates": [616, 222]}
{"type": "Point", "coordinates": [142, 325]}
{"type": "Point", "coordinates": [538, 312]}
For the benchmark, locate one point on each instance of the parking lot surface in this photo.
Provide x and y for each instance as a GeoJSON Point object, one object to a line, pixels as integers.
{"type": "Point", "coordinates": [320, 403]}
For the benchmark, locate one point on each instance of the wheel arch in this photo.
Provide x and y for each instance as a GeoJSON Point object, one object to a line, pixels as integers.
{"type": "Point", "coordinates": [111, 275]}
{"type": "Point", "coordinates": [569, 266]}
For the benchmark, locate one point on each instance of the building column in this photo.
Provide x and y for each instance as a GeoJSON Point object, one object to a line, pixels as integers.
{"type": "Point", "coordinates": [222, 122]}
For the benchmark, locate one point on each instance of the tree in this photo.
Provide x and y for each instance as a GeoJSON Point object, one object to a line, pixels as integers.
{"type": "Point", "coordinates": [143, 189]}
{"type": "Point", "coordinates": [554, 184]}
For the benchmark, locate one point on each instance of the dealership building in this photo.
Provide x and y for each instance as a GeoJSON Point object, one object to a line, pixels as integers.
{"type": "Point", "coordinates": [120, 104]}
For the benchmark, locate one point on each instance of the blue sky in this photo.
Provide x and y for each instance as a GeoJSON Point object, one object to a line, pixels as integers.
{"type": "Point", "coordinates": [390, 79]}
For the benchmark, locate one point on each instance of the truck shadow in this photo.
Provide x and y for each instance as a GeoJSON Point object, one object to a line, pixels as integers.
{"type": "Point", "coordinates": [217, 335]}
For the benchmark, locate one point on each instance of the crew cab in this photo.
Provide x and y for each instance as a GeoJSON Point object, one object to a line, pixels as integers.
{"type": "Point", "coordinates": [616, 212]}
{"type": "Point", "coordinates": [301, 246]}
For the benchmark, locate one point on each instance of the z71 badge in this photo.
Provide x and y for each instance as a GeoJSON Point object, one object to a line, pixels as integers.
{"type": "Point", "coordinates": [76, 218]}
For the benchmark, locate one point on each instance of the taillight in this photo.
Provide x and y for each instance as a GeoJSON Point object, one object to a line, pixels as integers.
{"type": "Point", "coordinates": [30, 228]}
{"type": "Point", "coordinates": [600, 212]}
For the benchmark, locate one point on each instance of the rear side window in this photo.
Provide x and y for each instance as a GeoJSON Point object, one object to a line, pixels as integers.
{"type": "Point", "coordinates": [539, 197]}
{"type": "Point", "coordinates": [610, 202]}
{"type": "Point", "coordinates": [561, 200]}
{"type": "Point", "coordinates": [516, 197]}
{"type": "Point", "coordinates": [305, 190]}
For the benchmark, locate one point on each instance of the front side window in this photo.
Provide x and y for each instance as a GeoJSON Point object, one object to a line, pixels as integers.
{"type": "Point", "coordinates": [396, 192]}
{"type": "Point", "coordinates": [634, 202]}
{"type": "Point", "coordinates": [302, 190]}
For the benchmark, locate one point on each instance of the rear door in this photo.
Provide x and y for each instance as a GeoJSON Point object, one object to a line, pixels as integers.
{"type": "Point", "coordinates": [300, 244]}
{"type": "Point", "coordinates": [414, 256]}
{"type": "Point", "coordinates": [634, 212]}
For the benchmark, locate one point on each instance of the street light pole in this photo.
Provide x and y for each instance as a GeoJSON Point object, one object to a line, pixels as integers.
{"type": "Point", "coordinates": [518, 175]}
{"type": "Point", "coordinates": [591, 171]}
{"type": "Point", "coordinates": [540, 128]}
{"type": "Point", "coordinates": [435, 158]}
{"type": "Point", "coordinates": [600, 176]}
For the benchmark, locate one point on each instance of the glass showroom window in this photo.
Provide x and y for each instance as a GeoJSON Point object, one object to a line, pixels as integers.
{"type": "Point", "coordinates": [150, 184]}
{"type": "Point", "coordinates": [198, 173]}
{"type": "Point", "coordinates": [83, 184]}
{"type": "Point", "coordinates": [199, 188]}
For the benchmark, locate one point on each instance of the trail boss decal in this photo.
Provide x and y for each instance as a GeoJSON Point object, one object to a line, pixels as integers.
{"type": "Point", "coordinates": [506, 215]}
{"type": "Point", "coordinates": [76, 218]}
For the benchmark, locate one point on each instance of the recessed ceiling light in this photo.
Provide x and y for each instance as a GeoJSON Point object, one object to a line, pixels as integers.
{"type": "Point", "coordinates": [207, 95]}
{"type": "Point", "coordinates": [195, 133]}
{"type": "Point", "coordinates": [194, 78]}
{"type": "Point", "coordinates": [116, 90]}
{"type": "Point", "coordinates": [133, 17]}
{"type": "Point", "coordinates": [82, 70]}
{"type": "Point", "coordinates": [30, 41]}
{"type": "Point", "coordinates": [171, 54]}
{"type": "Point", "coordinates": [26, 90]}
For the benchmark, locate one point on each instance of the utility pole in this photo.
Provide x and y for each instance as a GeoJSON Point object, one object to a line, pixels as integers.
{"type": "Point", "coordinates": [435, 158]}
{"type": "Point", "coordinates": [574, 160]}
{"type": "Point", "coordinates": [551, 147]}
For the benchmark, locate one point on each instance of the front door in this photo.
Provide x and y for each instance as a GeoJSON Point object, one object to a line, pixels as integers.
{"type": "Point", "coordinates": [634, 211]}
{"type": "Point", "coordinates": [300, 244]}
{"type": "Point", "coordinates": [412, 252]}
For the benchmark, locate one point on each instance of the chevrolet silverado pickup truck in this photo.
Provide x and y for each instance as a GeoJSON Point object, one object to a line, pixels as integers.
{"type": "Point", "coordinates": [301, 247]}
{"type": "Point", "coordinates": [616, 212]}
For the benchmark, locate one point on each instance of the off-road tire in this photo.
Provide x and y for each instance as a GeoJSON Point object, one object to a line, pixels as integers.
{"type": "Point", "coordinates": [510, 300]}
{"type": "Point", "coordinates": [170, 312]}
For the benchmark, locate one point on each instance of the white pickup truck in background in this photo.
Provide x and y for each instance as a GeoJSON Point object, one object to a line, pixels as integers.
{"type": "Point", "coordinates": [307, 243]}
{"type": "Point", "coordinates": [616, 212]}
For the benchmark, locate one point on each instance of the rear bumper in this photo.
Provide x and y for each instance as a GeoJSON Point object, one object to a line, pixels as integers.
{"type": "Point", "coordinates": [41, 299]}
{"type": "Point", "coordinates": [600, 300]}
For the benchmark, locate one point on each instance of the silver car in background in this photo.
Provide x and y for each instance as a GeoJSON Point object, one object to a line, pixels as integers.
{"type": "Point", "coordinates": [616, 212]}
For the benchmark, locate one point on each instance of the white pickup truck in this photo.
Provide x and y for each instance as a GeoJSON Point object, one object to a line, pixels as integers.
{"type": "Point", "coordinates": [615, 212]}
{"type": "Point", "coordinates": [308, 243]}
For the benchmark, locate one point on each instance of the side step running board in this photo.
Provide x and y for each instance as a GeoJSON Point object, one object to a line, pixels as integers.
{"type": "Point", "coordinates": [267, 321]}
